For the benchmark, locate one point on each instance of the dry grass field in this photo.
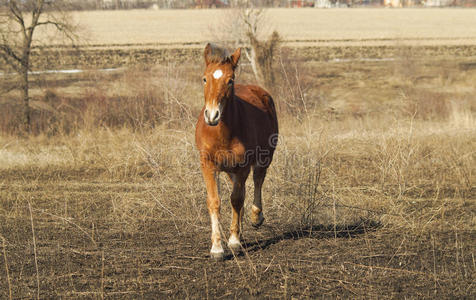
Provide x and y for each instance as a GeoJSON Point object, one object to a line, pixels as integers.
{"type": "Point", "coordinates": [371, 194]}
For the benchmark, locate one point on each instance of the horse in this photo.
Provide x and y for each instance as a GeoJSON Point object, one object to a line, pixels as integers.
{"type": "Point", "coordinates": [236, 131]}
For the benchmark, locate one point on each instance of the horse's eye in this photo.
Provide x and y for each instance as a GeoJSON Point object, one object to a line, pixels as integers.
{"type": "Point", "coordinates": [204, 80]}
{"type": "Point", "coordinates": [230, 81]}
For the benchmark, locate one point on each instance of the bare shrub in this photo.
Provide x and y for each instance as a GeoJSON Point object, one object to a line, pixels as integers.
{"type": "Point", "coordinates": [246, 27]}
{"type": "Point", "coordinates": [263, 54]}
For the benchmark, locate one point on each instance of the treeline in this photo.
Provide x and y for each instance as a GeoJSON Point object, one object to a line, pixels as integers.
{"type": "Point", "coordinates": [161, 4]}
{"type": "Point", "coordinates": [158, 4]}
{"type": "Point", "coordinates": [166, 4]}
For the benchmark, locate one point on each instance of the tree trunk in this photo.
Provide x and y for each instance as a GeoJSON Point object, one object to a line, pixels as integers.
{"type": "Point", "coordinates": [26, 100]}
{"type": "Point", "coordinates": [24, 85]}
{"type": "Point", "coordinates": [25, 67]}
{"type": "Point", "coordinates": [256, 71]}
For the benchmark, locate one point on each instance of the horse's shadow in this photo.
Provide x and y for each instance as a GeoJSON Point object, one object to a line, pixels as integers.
{"type": "Point", "coordinates": [341, 231]}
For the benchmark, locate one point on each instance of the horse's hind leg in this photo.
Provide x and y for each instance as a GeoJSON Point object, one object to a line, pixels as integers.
{"type": "Point", "coordinates": [257, 218]}
{"type": "Point", "coordinates": [237, 201]}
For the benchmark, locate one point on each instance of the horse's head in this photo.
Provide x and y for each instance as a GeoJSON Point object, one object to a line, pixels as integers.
{"type": "Point", "coordinates": [218, 80]}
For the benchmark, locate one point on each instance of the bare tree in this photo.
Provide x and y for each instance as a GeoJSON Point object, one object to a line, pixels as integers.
{"type": "Point", "coordinates": [246, 27]}
{"type": "Point", "coordinates": [261, 52]}
{"type": "Point", "coordinates": [19, 19]}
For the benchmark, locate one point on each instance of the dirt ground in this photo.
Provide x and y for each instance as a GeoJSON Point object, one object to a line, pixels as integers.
{"type": "Point", "coordinates": [86, 249]}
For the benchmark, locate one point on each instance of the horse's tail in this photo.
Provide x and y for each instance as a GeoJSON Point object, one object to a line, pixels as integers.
{"type": "Point", "coordinates": [273, 113]}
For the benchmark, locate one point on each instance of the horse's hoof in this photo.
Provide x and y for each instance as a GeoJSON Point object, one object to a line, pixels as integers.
{"type": "Point", "coordinates": [217, 256]}
{"type": "Point", "coordinates": [256, 217]}
{"type": "Point", "coordinates": [256, 223]}
{"type": "Point", "coordinates": [234, 243]}
{"type": "Point", "coordinates": [236, 248]}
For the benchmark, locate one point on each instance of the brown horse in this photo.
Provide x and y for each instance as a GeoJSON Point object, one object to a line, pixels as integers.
{"type": "Point", "coordinates": [237, 130]}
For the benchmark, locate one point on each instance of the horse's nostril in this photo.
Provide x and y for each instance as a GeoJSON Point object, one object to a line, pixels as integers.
{"type": "Point", "coordinates": [216, 116]}
{"type": "Point", "coordinates": [207, 114]}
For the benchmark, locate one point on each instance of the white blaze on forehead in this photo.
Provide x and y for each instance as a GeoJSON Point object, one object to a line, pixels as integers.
{"type": "Point", "coordinates": [217, 74]}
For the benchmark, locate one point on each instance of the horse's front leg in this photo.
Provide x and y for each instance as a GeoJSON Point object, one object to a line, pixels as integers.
{"type": "Point", "coordinates": [213, 203]}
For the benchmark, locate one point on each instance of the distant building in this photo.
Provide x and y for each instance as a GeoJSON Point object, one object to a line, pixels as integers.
{"type": "Point", "coordinates": [465, 3]}
{"type": "Point", "coordinates": [125, 4]}
{"type": "Point", "coordinates": [211, 3]}
{"type": "Point", "coordinates": [323, 4]}
{"type": "Point", "coordinates": [301, 3]}
{"type": "Point", "coordinates": [393, 3]}
{"type": "Point", "coordinates": [401, 3]}
{"type": "Point", "coordinates": [438, 3]}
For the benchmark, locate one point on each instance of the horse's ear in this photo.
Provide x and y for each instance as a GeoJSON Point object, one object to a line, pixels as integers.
{"type": "Point", "coordinates": [235, 57]}
{"type": "Point", "coordinates": [207, 52]}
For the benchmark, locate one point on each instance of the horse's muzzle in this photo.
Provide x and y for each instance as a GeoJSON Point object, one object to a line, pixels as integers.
{"type": "Point", "coordinates": [212, 116]}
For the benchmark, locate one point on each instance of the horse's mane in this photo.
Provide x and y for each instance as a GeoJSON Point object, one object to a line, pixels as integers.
{"type": "Point", "coordinates": [218, 54]}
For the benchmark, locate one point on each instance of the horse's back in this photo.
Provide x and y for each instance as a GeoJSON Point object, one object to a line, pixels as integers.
{"type": "Point", "coordinates": [259, 98]}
